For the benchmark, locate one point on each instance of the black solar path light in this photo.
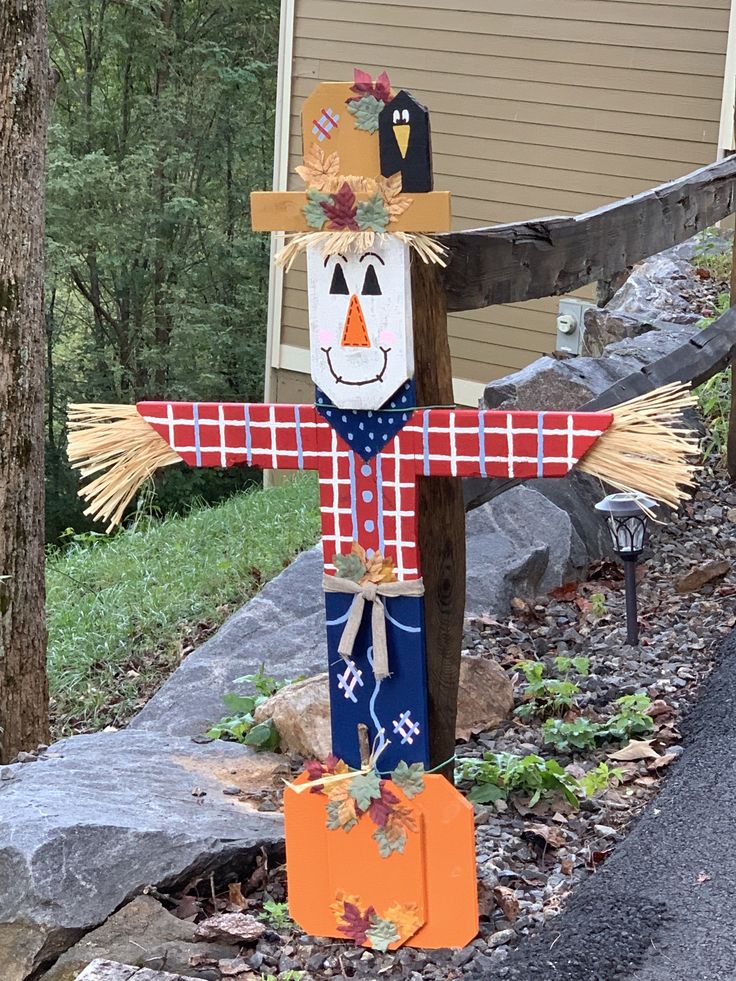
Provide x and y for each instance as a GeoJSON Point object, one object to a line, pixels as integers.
{"type": "Point", "coordinates": [626, 514]}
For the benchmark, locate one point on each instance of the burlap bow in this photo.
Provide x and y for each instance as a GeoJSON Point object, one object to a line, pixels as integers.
{"type": "Point", "coordinates": [372, 592]}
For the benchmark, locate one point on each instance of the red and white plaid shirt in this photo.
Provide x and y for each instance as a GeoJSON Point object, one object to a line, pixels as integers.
{"type": "Point", "coordinates": [374, 501]}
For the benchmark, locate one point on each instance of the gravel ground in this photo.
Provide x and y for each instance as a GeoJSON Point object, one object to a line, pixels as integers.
{"type": "Point", "coordinates": [531, 859]}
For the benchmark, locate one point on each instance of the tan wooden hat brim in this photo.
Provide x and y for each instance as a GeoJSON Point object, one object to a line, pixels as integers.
{"type": "Point", "coordinates": [281, 211]}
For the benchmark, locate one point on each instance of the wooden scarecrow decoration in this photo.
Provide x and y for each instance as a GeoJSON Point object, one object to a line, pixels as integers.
{"type": "Point", "coordinates": [405, 869]}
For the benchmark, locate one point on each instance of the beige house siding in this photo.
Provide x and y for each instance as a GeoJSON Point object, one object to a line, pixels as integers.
{"type": "Point", "coordinates": [537, 108]}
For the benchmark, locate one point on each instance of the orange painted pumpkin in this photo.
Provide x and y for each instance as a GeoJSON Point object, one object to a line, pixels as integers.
{"type": "Point", "coordinates": [399, 870]}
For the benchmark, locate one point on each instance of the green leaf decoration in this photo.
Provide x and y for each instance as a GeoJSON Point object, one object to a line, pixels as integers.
{"type": "Point", "coordinates": [349, 566]}
{"type": "Point", "coordinates": [364, 788]}
{"type": "Point", "coordinates": [312, 210]}
{"type": "Point", "coordinates": [372, 214]}
{"type": "Point", "coordinates": [410, 779]}
{"type": "Point", "coordinates": [366, 112]}
{"type": "Point", "coordinates": [264, 736]}
{"type": "Point", "coordinates": [382, 933]}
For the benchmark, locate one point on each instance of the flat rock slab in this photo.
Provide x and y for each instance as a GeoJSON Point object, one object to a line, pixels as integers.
{"type": "Point", "coordinates": [283, 628]}
{"type": "Point", "coordinates": [102, 816]}
{"type": "Point", "coordinates": [101, 970]}
{"type": "Point", "coordinates": [662, 907]}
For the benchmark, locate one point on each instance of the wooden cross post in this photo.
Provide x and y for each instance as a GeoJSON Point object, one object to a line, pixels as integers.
{"type": "Point", "coordinates": [441, 520]}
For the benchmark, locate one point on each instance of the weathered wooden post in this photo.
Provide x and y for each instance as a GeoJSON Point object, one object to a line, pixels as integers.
{"type": "Point", "coordinates": [441, 522]}
{"type": "Point", "coordinates": [379, 850]}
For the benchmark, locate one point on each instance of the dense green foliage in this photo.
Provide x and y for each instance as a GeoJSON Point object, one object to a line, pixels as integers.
{"type": "Point", "coordinates": [123, 610]}
{"type": "Point", "coordinates": [162, 125]}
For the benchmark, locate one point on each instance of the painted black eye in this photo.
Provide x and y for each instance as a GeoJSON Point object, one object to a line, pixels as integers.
{"type": "Point", "coordinates": [370, 283]}
{"type": "Point", "coordinates": [339, 284]}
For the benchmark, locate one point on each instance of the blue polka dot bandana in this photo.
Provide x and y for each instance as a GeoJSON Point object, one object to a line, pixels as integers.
{"type": "Point", "coordinates": [366, 431]}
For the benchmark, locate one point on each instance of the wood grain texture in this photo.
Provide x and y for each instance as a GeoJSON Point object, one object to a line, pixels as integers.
{"type": "Point", "coordinates": [554, 256]}
{"type": "Point", "coordinates": [441, 521]}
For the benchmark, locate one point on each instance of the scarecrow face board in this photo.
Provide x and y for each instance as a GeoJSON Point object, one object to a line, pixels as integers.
{"type": "Point", "coordinates": [360, 323]}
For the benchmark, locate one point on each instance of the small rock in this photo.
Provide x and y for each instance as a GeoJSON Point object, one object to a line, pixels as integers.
{"type": "Point", "coordinates": [605, 830]}
{"type": "Point", "coordinates": [500, 938]}
{"type": "Point", "coordinates": [231, 791]}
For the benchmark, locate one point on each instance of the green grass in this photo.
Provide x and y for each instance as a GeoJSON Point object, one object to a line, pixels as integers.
{"type": "Point", "coordinates": [123, 611]}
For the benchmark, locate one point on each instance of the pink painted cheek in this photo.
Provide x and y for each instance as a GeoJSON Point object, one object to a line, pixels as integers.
{"type": "Point", "coordinates": [387, 337]}
{"type": "Point", "coordinates": [325, 337]}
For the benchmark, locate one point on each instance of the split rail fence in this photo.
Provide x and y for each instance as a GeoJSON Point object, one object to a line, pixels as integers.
{"type": "Point", "coordinates": [524, 261]}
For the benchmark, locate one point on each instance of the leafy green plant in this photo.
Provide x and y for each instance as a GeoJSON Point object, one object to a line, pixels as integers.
{"type": "Point", "coordinates": [710, 253]}
{"type": "Point", "coordinates": [714, 402]}
{"type": "Point", "coordinates": [580, 734]}
{"type": "Point", "coordinates": [276, 915]}
{"type": "Point", "coordinates": [598, 605]}
{"type": "Point", "coordinates": [497, 775]}
{"type": "Point", "coordinates": [545, 696]}
{"type": "Point", "coordinates": [631, 720]}
{"type": "Point", "coordinates": [240, 726]}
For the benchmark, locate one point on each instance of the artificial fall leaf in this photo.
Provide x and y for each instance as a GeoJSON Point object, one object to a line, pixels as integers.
{"type": "Point", "coordinates": [372, 214]}
{"type": "Point", "coordinates": [378, 570]}
{"type": "Point", "coordinates": [380, 809]}
{"type": "Point", "coordinates": [349, 566]}
{"type": "Point", "coordinates": [366, 110]}
{"type": "Point", "coordinates": [341, 814]}
{"type": "Point", "coordinates": [363, 85]}
{"type": "Point", "coordinates": [392, 836]}
{"type": "Point", "coordinates": [357, 549]}
{"type": "Point", "coordinates": [409, 778]}
{"type": "Point", "coordinates": [355, 924]}
{"type": "Point", "coordinates": [365, 788]}
{"type": "Point", "coordinates": [338, 907]}
{"type": "Point", "coordinates": [340, 209]}
{"type": "Point", "coordinates": [398, 206]}
{"type": "Point", "coordinates": [319, 170]}
{"type": "Point", "coordinates": [382, 933]}
{"type": "Point", "coordinates": [313, 211]}
{"type": "Point", "coordinates": [331, 765]}
{"type": "Point", "coordinates": [406, 919]}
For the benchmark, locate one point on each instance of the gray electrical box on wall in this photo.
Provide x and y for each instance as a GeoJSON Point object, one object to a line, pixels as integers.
{"type": "Point", "coordinates": [570, 325]}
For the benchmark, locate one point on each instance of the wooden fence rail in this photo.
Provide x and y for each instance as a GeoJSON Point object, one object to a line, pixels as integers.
{"type": "Point", "coordinates": [554, 256]}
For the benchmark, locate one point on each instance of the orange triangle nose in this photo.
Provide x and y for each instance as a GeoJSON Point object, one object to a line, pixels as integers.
{"type": "Point", "coordinates": [355, 333]}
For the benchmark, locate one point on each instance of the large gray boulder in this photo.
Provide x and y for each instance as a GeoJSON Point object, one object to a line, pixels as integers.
{"type": "Point", "coordinates": [527, 518]}
{"type": "Point", "coordinates": [88, 826]}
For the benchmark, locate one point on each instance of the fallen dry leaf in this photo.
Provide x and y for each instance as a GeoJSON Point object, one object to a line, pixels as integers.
{"type": "Point", "coordinates": [486, 900]}
{"type": "Point", "coordinates": [234, 967]}
{"type": "Point", "coordinates": [567, 865]}
{"type": "Point", "coordinates": [187, 908]}
{"type": "Point", "coordinates": [507, 902]}
{"type": "Point", "coordinates": [660, 708]}
{"type": "Point", "coordinates": [635, 749]}
{"type": "Point", "coordinates": [645, 781]}
{"type": "Point", "coordinates": [230, 926]}
{"type": "Point", "coordinates": [703, 877]}
{"type": "Point", "coordinates": [551, 837]}
{"type": "Point", "coordinates": [597, 857]}
{"type": "Point", "coordinates": [236, 897]}
{"type": "Point", "coordinates": [661, 762]}
{"type": "Point", "coordinates": [703, 574]}
{"type": "Point", "coordinates": [567, 591]}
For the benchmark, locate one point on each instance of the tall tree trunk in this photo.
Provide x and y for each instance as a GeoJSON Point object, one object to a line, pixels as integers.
{"type": "Point", "coordinates": [24, 85]}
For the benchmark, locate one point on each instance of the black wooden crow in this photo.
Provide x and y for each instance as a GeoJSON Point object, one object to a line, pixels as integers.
{"type": "Point", "coordinates": [405, 143]}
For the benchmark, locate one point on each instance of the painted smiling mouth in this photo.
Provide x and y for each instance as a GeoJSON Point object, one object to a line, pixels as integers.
{"type": "Point", "coordinates": [366, 381]}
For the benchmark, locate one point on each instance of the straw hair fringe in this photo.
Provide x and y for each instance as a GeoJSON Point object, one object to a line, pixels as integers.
{"type": "Point", "coordinates": [332, 243]}
{"type": "Point", "coordinates": [646, 448]}
{"type": "Point", "coordinates": [116, 440]}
